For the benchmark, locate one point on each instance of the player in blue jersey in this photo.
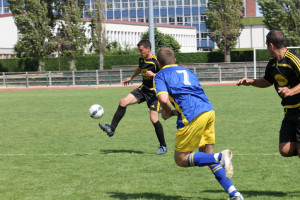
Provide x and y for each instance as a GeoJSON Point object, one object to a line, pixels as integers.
{"type": "Point", "coordinates": [180, 87]}
{"type": "Point", "coordinates": [283, 71]}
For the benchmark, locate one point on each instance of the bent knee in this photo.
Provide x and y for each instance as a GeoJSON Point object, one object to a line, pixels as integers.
{"type": "Point", "coordinates": [181, 163]}
{"type": "Point", "coordinates": [286, 153]}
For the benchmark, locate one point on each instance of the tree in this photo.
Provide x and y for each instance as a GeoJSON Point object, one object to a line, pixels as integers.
{"type": "Point", "coordinates": [162, 40]}
{"type": "Point", "coordinates": [31, 19]}
{"type": "Point", "coordinates": [283, 15]}
{"type": "Point", "coordinates": [224, 19]}
{"type": "Point", "coordinates": [73, 40]}
{"type": "Point", "coordinates": [97, 30]}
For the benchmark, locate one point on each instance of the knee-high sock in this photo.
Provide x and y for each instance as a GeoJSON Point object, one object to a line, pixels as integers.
{"type": "Point", "coordinates": [160, 133]}
{"type": "Point", "coordinates": [119, 114]}
{"type": "Point", "coordinates": [201, 159]}
{"type": "Point", "coordinates": [220, 175]}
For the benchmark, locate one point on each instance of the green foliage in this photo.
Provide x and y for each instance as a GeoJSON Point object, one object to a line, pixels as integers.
{"type": "Point", "coordinates": [282, 15]}
{"type": "Point", "coordinates": [224, 19]}
{"type": "Point", "coordinates": [90, 62]}
{"type": "Point", "coordinates": [51, 64]}
{"type": "Point", "coordinates": [162, 40]}
{"type": "Point", "coordinates": [18, 65]}
{"type": "Point", "coordinates": [111, 60]}
{"type": "Point", "coordinates": [114, 48]}
{"type": "Point", "coordinates": [32, 26]}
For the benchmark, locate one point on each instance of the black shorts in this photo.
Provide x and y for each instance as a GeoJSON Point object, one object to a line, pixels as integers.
{"type": "Point", "coordinates": [144, 94]}
{"type": "Point", "coordinates": [290, 127]}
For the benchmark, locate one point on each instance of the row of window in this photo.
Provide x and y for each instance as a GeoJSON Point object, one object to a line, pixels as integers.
{"type": "Point", "coordinates": [133, 4]}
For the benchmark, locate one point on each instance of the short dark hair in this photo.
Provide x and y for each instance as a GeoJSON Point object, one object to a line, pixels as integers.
{"type": "Point", "coordinates": [277, 38]}
{"type": "Point", "coordinates": [145, 43]}
{"type": "Point", "coordinates": [165, 56]}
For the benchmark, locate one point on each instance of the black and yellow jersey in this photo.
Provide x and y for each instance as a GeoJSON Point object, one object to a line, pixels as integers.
{"type": "Point", "coordinates": [148, 65]}
{"type": "Point", "coordinates": [285, 73]}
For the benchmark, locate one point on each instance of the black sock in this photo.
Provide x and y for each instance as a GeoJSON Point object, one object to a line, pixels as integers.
{"type": "Point", "coordinates": [160, 133]}
{"type": "Point", "coordinates": [119, 114]}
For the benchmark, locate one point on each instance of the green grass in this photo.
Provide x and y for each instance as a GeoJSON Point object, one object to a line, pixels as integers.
{"type": "Point", "coordinates": [51, 149]}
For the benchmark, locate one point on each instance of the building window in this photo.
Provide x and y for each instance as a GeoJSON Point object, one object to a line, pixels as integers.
{"type": "Point", "coordinates": [203, 18]}
{"type": "Point", "coordinates": [204, 36]}
{"type": "Point", "coordinates": [109, 6]}
{"type": "Point", "coordinates": [195, 19]}
{"type": "Point", "coordinates": [140, 19]}
{"type": "Point", "coordinates": [203, 3]}
{"type": "Point", "coordinates": [125, 18]}
{"type": "Point", "coordinates": [163, 4]}
{"type": "Point", "coordinates": [164, 20]}
{"type": "Point", "coordinates": [124, 5]}
{"type": "Point", "coordinates": [133, 19]}
{"type": "Point", "coordinates": [187, 3]}
{"type": "Point", "coordinates": [155, 4]}
{"type": "Point", "coordinates": [178, 2]}
{"type": "Point", "coordinates": [171, 20]}
{"type": "Point", "coordinates": [132, 5]}
{"type": "Point", "coordinates": [117, 6]}
{"type": "Point", "coordinates": [194, 2]}
{"type": "Point", "coordinates": [187, 19]}
{"type": "Point", "coordinates": [156, 19]}
{"type": "Point", "coordinates": [180, 20]}
{"type": "Point", "coordinates": [171, 3]}
{"type": "Point", "coordinates": [140, 4]}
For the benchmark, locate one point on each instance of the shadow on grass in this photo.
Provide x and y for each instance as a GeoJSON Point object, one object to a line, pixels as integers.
{"type": "Point", "coordinates": [146, 195]}
{"type": "Point", "coordinates": [251, 193]}
{"type": "Point", "coordinates": [110, 151]}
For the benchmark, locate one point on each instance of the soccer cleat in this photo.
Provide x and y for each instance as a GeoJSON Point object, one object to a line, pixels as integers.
{"type": "Point", "coordinates": [226, 163]}
{"type": "Point", "coordinates": [107, 129]}
{"type": "Point", "coordinates": [237, 196]}
{"type": "Point", "coordinates": [161, 150]}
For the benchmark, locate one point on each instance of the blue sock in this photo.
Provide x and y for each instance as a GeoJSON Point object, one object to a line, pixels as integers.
{"type": "Point", "coordinates": [201, 159]}
{"type": "Point", "coordinates": [219, 173]}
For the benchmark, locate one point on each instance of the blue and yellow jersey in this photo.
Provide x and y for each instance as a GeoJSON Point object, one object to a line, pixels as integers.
{"type": "Point", "coordinates": [185, 92]}
{"type": "Point", "coordinates": [285, 73]}
{"type": "Point", "coordinates": [148, 65]}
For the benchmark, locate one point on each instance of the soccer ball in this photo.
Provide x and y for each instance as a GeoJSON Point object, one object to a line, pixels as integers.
{"type": "Point", "coordinates": [96, 111]}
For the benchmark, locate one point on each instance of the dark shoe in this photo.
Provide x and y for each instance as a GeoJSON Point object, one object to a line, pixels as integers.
{"type": "Point", "coordinates": [107, 128]}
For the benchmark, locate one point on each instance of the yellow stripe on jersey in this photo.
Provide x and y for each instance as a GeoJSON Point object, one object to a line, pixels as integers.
{"type": "Point", "coordinates": [294, 58]}
{"type": "Point", "coordinates": [284, 65]}
{"type": "Point", "coordinates": [292, 106]}
{"type": "Point", "coordinates": [217, 168]}
{"type": "Point", "coordinates": [184, 120]}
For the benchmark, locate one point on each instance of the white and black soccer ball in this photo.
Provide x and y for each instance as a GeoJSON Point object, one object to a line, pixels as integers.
{"type": "Point", "coordinates": [96, 111]}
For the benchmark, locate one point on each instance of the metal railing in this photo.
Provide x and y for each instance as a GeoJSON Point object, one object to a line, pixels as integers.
{"type": "Point", "coordinates": [109, 77]}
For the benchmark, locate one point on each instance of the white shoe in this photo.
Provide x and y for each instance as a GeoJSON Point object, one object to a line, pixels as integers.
{"type": "Point", "coordinates": [237, 196]}
{"type": "Point", "coordinates": [161, 150]}
{"type": "Point", "coordinates": [226, 163]}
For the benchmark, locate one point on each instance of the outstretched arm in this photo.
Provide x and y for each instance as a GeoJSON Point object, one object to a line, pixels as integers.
{"type": "Point", "coordinates": [136, 72]}
{"type": "Point", "coordinates": [261, 83]}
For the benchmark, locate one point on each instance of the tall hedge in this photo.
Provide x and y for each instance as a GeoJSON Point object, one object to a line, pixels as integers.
{"type": "Point", "coordinates": [91, 62]}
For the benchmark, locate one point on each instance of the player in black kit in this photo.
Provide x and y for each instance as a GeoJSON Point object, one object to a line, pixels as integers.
{"type": "Point", "coordinates": [284, 72]}
{"type": "Point", "coordinates": [148, 66]}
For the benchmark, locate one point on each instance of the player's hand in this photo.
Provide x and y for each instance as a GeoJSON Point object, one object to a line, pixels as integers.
{"type": "Point", "coordinates": [164, 114]}
{"type": "Point", "coordinates": [245, 81]}
{"type": "Point", "coordinates": [284, 92]}
{"type": "Point", "coordinates": [150, 73]}
{"type": "Point", "coordinates": [126, 81]}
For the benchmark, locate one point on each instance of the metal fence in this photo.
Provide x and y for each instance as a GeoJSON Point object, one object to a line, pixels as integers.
{"type": "Point", "coordinates": [89, 78]}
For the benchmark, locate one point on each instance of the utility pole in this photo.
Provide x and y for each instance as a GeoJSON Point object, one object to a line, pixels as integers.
{"type": "Point", "coordinates": [151, 27]}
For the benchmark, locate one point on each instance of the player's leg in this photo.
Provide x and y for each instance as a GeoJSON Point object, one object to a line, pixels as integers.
{"type": "Point", "coordinates": [289, 134]}
{"type": "Point", "coordinates": [119, 114]}
{"type": "Point", "coordinates": [154, 105]}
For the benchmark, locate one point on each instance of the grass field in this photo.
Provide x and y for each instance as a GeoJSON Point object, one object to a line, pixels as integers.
{"type": "Point", "coordinates": [51, 149]}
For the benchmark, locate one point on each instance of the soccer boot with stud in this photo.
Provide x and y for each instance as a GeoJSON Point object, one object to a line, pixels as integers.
{"type": "Point", "coordinates": [237, 196]}
{"type": "Point", "coordinates": [226, 163]}
{"type": "Point", "coordinates": [107, 128]}
{"type": "Point", "coordinates": [161, 150]}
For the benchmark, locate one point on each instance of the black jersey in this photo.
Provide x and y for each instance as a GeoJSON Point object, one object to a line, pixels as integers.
{"type": "Point", "coordinates": [285, 73]}
{"type": "Point", "coordinates": [146, 65]}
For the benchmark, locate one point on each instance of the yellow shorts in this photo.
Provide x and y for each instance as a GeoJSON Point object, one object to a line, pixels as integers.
{"type": "Point", "coordinates": [199, 132]}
